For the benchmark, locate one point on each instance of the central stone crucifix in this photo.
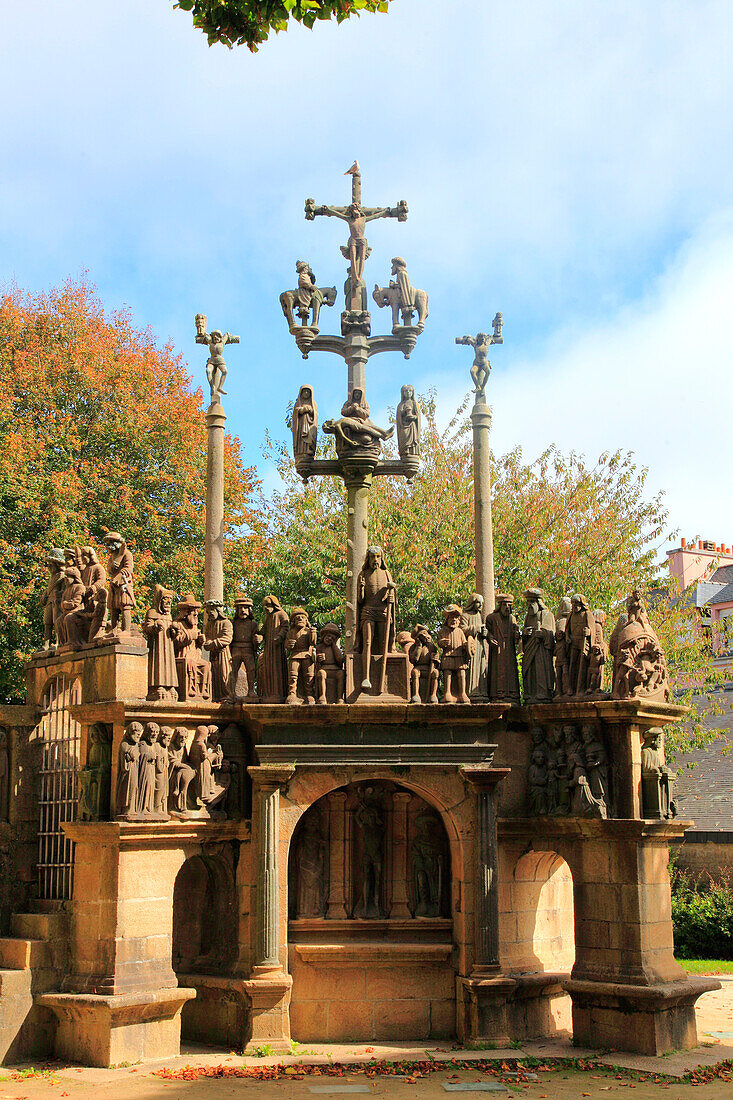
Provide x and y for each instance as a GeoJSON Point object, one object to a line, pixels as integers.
{"type": "Point", "coordinates": [358, 440]}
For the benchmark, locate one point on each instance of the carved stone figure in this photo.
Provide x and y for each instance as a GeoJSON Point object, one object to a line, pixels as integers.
{"type": "Point", "coordinates": [583, 801]}
{"type": "Point", "coordinates": [146, 770]}
{"type": "Point", "coordinates": [5, 776]}
{"type": "Point", "coordinates": [94, 579]}
{"type": "Point", "coordinates": [300, 642]}
{"type": "Point", "coordinates": [162, 674]}
{"type": "Point", "coordinates": [211, 781]}
{"type": "Point", "coordinates": [537, 779]}
{"type": "Point", "coordinates": [354, 431]}
{"type": "Point", "coordinates": [219, 634]}
{"type": "Point", "coordinates": [598, 656]}
{"type": "Point", "coordinates": [370, 820]}
{"type": "Point", "coordinates": [246, 639]}
{"type": "Point", "coordinates": [409, 425]}
{"type": "Point", "coordinates": [424, 665]}
{"type": "Point", "coordinates": [77, 608]}
{"type": "Point", "coordinates": [51, 601]}
{"type": "Point", "coordinates": [558, 784]}
{"type": "Point", "coordinates": [472, 622]}
{"type": "Point", "coordinates": [216, 370]}
{"type": "Point", "coordinates": [640, 669]}
{"type": "Point", "coordinates": [657, 782]}
{"type": "Point", "coordinates": [456, 655]}
{"type": "Point", "coordinates": [596, 762]}
{"type": "Point", "coordinates": [617, 630]}
{"type": "Point", "coordinates": [127, 772]}
{"type": "Point", "coordinates": [503, 640]}
{"type": "Point", "coordinates": [272, 672]}
{"type": "Point", "coordinates": [194, 674]}
{"type": "Point", "coordinates": [95, 777]}
{"type": "Point", "coordinates": [538, 647]}
{"type": "Point", "coordinates": [426, 858]}
{"type": "Point", "coordinates": [403, 297]}
{"type": "Point", "coordinates": [305, 425]}
{"type": "Point", "coordinates": [375, 613]}
{"type": "Point", "coordinates": [580, 633]}
{"type": "Point", "coordinates": [311, 870]}
{"type": "Point", "coordinates": [562, 679]}
{"type": "Point", "coordinates": [306, 300]}
{"type": "Point", "coordinates": [329, 664]}
{"type": "Point", "coordinates": [180, 773]}
{"type": "Point", "coordinates": [481, 343]}
{"type": "Point", "coordinates": [162, 743]}
{"type": "Point", "coordinates": [120, 567]}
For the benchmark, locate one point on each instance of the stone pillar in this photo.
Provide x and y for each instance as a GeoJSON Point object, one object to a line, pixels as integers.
{"type": "Point", "coordinates": [214, 551]}
{"type": "Point", "coordinates": [483, 527]}
{"type": "Point", "coordinates": [399, 909]}
{"type": "Point", "coordinates": [269, 986]}
{"type": "Point", "coordinates": [336, 909]}
{"type": "Point", "coordinates": [482, 1012]}
{"type": "Point", "coordinates": [356, 355]}
{"type": "Point", "coordinates": [358, 488]}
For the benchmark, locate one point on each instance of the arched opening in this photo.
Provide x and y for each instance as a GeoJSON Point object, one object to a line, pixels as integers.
{"type": "Point", "coordinates": [370, 924]}
{"type": "Point", "coordinates": [537, 928]}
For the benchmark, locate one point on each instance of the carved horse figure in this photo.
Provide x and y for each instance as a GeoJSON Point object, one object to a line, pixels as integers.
{"type": "Point", "coordinates": [306, 299]}
{"type": "Point", "coordinates": [404, 298]}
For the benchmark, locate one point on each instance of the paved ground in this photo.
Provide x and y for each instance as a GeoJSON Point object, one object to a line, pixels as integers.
{"type": "Point", "coordinates": [461, 1073]}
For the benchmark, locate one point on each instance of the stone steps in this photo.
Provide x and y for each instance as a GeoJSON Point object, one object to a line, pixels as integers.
{"type": "Point", "coordinates": [32, 961]}
{"type": "Point", "coordinates": [18, 953]}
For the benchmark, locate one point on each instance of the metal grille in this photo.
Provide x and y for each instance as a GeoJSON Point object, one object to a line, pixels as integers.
{"type": "Point", "coordinates": [60, 736]}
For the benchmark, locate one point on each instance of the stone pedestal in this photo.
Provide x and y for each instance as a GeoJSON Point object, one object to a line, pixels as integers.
{"type": "Point", "coordinates": [397, 681]}
{"type": "Point", "coordinates": [109, 670]}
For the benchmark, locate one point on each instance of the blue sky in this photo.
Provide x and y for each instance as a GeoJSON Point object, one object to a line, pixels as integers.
{"type": "Point", "coordinates": [570, 164]}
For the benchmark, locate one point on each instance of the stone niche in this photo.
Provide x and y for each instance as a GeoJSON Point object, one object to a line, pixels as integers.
{"type": "Point", "coordinates": [370, 932]}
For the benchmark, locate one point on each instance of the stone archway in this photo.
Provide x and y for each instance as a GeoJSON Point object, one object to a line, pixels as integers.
{"type": "Point", "coordinates": [370, 926]}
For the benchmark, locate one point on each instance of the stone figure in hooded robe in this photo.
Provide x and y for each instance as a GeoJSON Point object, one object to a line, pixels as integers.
{"type": "Point", "coordinates": [538, 647]}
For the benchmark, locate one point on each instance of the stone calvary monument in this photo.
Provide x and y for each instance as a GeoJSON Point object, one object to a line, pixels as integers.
{"type": "Point", "coordinates": [251, 830]}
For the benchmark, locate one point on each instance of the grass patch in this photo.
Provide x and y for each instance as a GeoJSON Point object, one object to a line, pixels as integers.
{"type": "Point", "coordinates": [707, 966]}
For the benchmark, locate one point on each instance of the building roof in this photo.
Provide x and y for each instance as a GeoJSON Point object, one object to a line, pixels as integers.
{"type": "Point", "coordinates": [702, 593]}
{"type": "Point", "coordinates": [723, 575]}
{"type": "Point", "coordinates": [725, 595]}
{"type": "Point", "coordinates": [704, 793]}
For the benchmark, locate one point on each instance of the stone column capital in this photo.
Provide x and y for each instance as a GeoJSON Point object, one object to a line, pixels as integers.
{"type": "Point", "coordinates": [401, 796]}
{"type": "Point", "coordinates": [336, 797]}
{"type": "Point", "coordinates": [483, 778]}
{"type": "Point", "coordinates": [271, 777]}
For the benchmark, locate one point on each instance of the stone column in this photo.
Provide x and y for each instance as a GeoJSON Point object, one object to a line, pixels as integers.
{"type": "Point", "coordinates": [356, 354]}
{"type": "Point", "coordinates": [399, 909]}
{"type": "Point", "coordinates": [336, 909]}
{"type": "Point", "coordinates": [214, 551]}
{"type": "Point", "coordinates": [269, 986]}
{"type": "Point", "coordinates": [483, 527]}
{"type": "Point", "coordinates": [358, 488]}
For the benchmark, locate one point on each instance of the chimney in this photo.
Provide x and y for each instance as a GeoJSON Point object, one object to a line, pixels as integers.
{"type": "Point", "coordinates": [684, 544]}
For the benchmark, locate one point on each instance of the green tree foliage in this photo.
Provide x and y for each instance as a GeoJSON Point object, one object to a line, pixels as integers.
{"type": "Point", "coordinates": [702, 914]}
{"type": "Point", "coordinates": [249, 22]}
{"type": "Point", "coordinates": [99, 430]}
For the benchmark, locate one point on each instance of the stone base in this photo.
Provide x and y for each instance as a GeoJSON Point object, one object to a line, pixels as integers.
{"type": "Point", "coordinates": [104, 1031]}
{"type": "Point", "coordinates": [269, 997]}
{"type": "Point", "coordinates": [397, 680]}
{"type": "Point", "coordinates": [540, 1006]}
{"type": "Point", "coordinates": [481, 1009]}
{"type": "Point", "coordinates": [218, 1014]}
{"type": "Point", "coordinates": [653, 1019]}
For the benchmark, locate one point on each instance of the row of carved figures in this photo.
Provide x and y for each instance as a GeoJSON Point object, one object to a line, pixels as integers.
{"type": "Point", "coordinates": [84, 601]}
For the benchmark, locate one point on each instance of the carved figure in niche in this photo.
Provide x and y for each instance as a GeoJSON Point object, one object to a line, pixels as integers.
{"type": "Point", "coordinates": [307, 299]}
{"type": "Point", "coordinates": [370, 819]}
{"type": "Point", "coordinates": [94, 579]}
{"type": "Point", "coordinates": [580, 633]}
{"type": "Point", "coordinates": [311, 870]}
{"type": "Point", "coordinates": [583, 801]}
{"type": "Point", "coordinates": [558, 784]}
{"type": "Point", "coordinates": [95, 777]}
{"type": "Point", "coordinates": [503, 641]}
{"type": "Point", "coordinates": [219, 634]}
{"type": "Point", "coordinates": [456, 655]}
{"type": "Point", "coordinates": [409, 426]}
{"type": "Point", "coordinates": [146, 769]}
{"type": "Point", "coordinates": [329, 664]}
{"type": "Point", "coordinates": [216, 368]}
{"type": "Point", "coordinates": [376, 596]}
{"type": "Point", "coordinates": [162, 743]}
{"type": "Point", "coordinates": [305, 424]}
{"type": "Point", "coordinates": [127, 772]}
{"type": "Point", "coordinates": [180, 773]}
{"type": "Point", "coordinates": [120, 574]}
{"type": "Point", "coordinates": [562, 678]}
{"type": "Point", "coordinates": [354, 429]}
{"type": "Point", "coordinates": [538, 647]}
{"type": "Point", "coordinates": [472, 623]}
{"type": "Point", "coordinates": [596, 762]}
{"type": "Point", "coordinates": [51, 601]}
{"type": "Point", "coordinates": [157, 628]}
{"type": "Point", "coordinates": [481, 368]}
{"type": "Point", "coordinates": [598, 655]}
{"type": "Point", "coordinates": [657, 781]}
{"type": "Point", "coordinates": [403, 298]}
{"type": "Point", "coordinates": [426, 858]}
{"type": "Point", "coordinates": [640, 669]}
{"type": "Point", "coordinates": [424, 664]}
{"type": "Point", "coordinates": [300, 643]}
{"type": "Point", "coordinates": [194, 674]}
{"type": "Point", "coordinates": [537, 778]}
{"type": "Point", "coordinates": [5, 776]}
{"type": "Point", "coordinates": [246, 640]}
{"type": "Point", "coordinates": [272, 672]}
{"type": "Point", "coordinates": [210, 779]}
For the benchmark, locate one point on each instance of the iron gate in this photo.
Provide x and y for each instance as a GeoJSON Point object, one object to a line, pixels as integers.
{"type": "Point", "coordinates": [58, 796]}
